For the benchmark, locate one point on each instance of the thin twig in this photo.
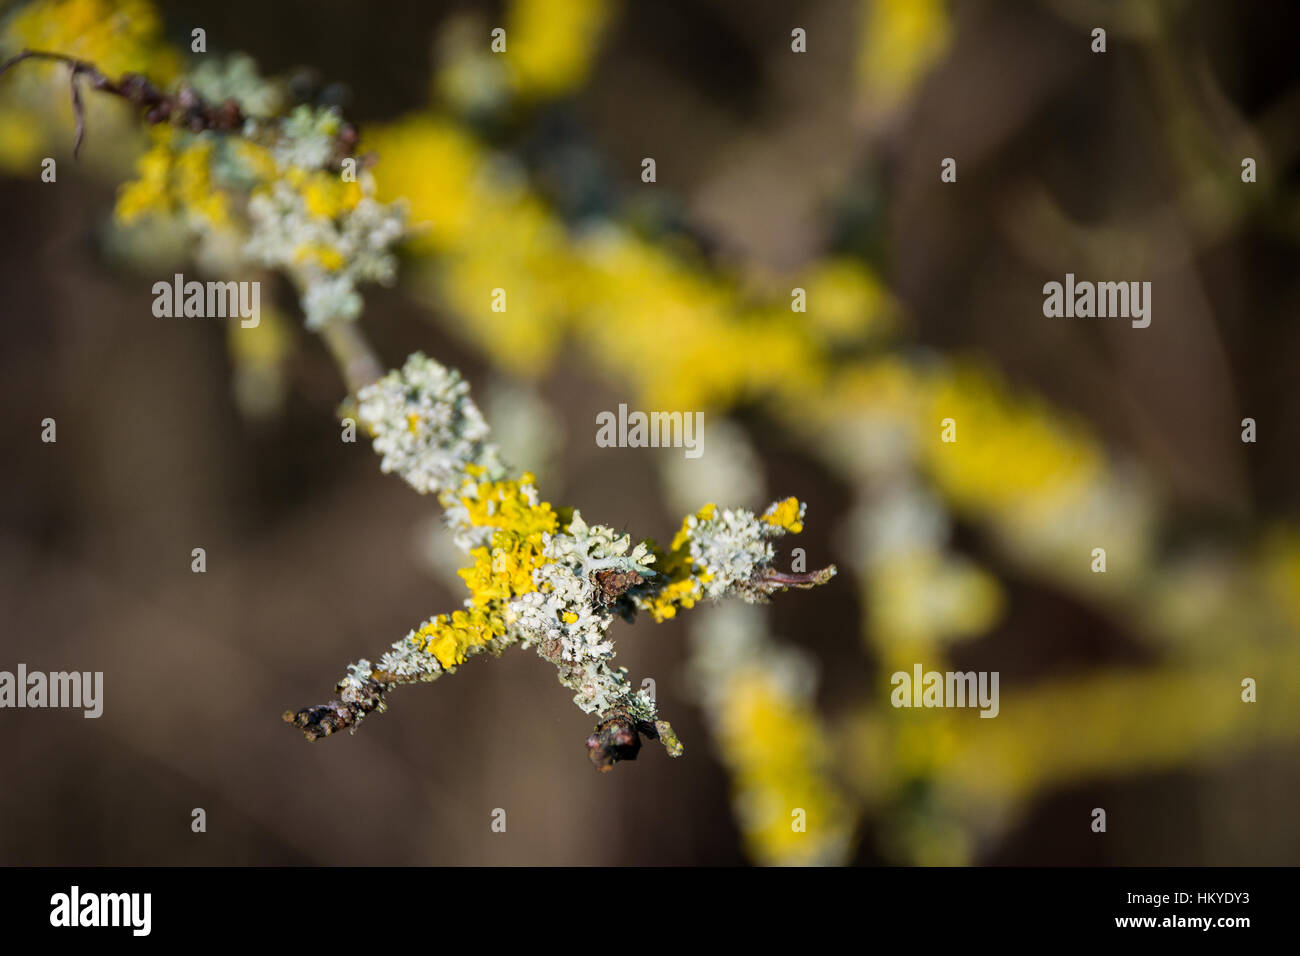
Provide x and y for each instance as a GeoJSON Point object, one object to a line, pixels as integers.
{"type": "Point", "coordinates": [183, 108]}
{"type": "Point", "coordinates": [357, 361]}
{"type": "Point", "coordinates": [771, 578]}
{"type": "Point", "coordinates": [78, 110]}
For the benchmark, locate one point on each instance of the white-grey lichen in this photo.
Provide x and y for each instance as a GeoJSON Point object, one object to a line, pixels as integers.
{"type": "Point", "coordinates": [428, 430]}
{"type": "Point", "coordinates": [731, 550]}
{"type": "Point", "coordinates": [307, 137]}
{"type": "Point", "coordinates": [236, 77]}
{"type": "Point", "coordinates": [564, 619]}
{"type": "Point", "coordinates": [326, 258]}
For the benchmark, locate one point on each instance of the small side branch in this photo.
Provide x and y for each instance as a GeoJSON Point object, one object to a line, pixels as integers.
{"type": "Point", "coordinates": [355, 701]}
{"type": "Point", "coordinates": [183, 108]}
{"type": "Point", "coordinates": [356, 360]}
{"type": "Point", "coordinates": [771, 579]}
{"type": "Point", "coordinates": [618, 737]}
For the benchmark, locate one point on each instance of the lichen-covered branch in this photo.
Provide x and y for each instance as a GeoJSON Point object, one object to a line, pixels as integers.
{"type": "Point", "coordinates": [184, 107]}
{"type": "Point", "coordinates": [282, 191]}
{"type": "Point", "coordinates": [276, 190]}
{"type": "Point", "coordinates": [541, 578]}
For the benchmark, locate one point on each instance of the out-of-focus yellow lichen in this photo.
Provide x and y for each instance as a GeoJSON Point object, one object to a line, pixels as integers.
{"type": "Point", "coordinates": [320, 254]}
{"type": "Point", "coordinates": [924, 597]}
{"type": "Point", "coordinates": [901, 40]}
{"type": "Point", "coordinates": [432, 164]}
{"type": "Point", "coordinates": [118, 36]}
{"type": "Point", "coordinates": [20, 140]}
{"type": "Point", "coordinates": [551, 42]}
{"type": "Point", "coordinates": [327, 195]}
{"type": "Point", "coordinates": [1279, 566]}
{"type": "Point", "coordinates": [258, 354]}
{"type": "Point", "coordinates": [174, 178]}
{"type": "Point", "coordinates": [1007, 449]}
{"type": "Point", "coordinates": [850, 301]}
{"type": "Point", "coordinates": [775, 749]}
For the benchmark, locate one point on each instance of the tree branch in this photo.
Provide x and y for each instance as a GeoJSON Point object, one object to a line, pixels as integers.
{"type": "Point", "coordinates": [183, 108]}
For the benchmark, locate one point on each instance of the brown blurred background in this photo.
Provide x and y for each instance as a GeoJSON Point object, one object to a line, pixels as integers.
{"type": "Point", "coordinates": [305, 539]}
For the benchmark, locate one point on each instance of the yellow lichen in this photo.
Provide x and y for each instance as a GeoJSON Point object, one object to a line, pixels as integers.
{"type": "Point", "coordinates": [789, 811]}
{"type": "Point", "coordinates": [451, 637]}
{"type": "Point", "coordinates": [550, 43]}
{"type": "Point", "coordinates": [787, 514]}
